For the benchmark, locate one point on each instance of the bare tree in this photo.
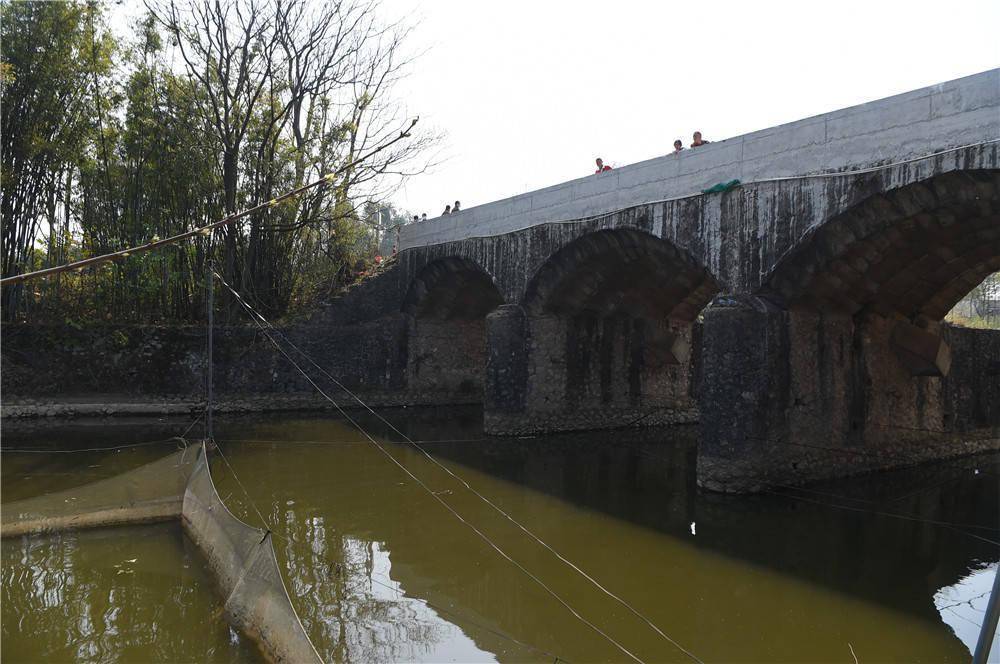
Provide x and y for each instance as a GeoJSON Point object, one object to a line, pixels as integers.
{"type": "Point", "coordinates": [301, 82]}
{"type": "Point", "coordinates": [229, 49]}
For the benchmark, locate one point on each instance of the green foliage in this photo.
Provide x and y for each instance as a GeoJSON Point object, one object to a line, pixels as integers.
{"type": "Point", "coordinates": [110, 143]}
{"type": "Point", "coordinates": [52, 51]}
{"type": "Point", "coordinates": [981, 307]}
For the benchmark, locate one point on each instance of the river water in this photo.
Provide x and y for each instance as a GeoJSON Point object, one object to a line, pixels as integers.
{"type": "Point", "coordinates": [889, 567]}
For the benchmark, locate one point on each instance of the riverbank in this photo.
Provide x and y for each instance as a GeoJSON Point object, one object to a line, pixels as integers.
{"type": "Point", "coordinates": [114, 405]}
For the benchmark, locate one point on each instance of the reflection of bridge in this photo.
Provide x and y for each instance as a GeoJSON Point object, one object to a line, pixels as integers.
{"type": "Point", "coordinates": [821, 283]}
{"type": "Point", "coordinates": [645, 479]}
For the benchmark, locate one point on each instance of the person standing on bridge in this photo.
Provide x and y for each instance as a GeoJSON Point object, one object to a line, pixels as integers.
{"type": "Point", "coordinates": [423, 217]}
{"type": "Point", "coordinates": [447, 210]}
{"type": "Point", "coordinates": [697, 140]}
{"type": "Point", "coordinates": [457, 207]}
{"type": "Point", "coordinates": [601, 168]}
{"type": "Point", "coordinates": [678, 146]}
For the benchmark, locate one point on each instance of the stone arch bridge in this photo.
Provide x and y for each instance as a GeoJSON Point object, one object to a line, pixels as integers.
{"type": "Point", "coordinates": [797, 316]}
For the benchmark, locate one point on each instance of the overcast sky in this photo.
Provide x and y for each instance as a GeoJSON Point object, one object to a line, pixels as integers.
{"type": "Point", "coordinates": [529, 92]}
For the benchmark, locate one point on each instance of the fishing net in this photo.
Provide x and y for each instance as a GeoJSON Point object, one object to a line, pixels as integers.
{"type": "Point", "coordinates": [180, 486]}
{"type": "Point", "coordinates": [153, 492]}
{"type": "Point", "coordinates": [243, 561]}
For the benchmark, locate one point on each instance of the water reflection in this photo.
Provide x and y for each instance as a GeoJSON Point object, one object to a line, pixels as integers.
{"type": "Point", "coordinates": [117, 594]}
{"type": "Point", "coordinates": [379, 571]}
{"type": "Point", "coordinates": [771, 577]}
{"type": "Point", "coordinates": [963, 607]}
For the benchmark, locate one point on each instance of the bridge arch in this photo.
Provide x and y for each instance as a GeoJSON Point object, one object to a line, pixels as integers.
{"type": "Point", "coordinates": [609, 326]}
{"type": "Point", "coordinates": [451, 288]}
{"type": "Point", "coordinates": [912, 252]}
{"type": "Point", "coordinates": [446, 306]}
{"type": "Point", "coordinates": [847, 329]}
{"type": "Point", "coordinates": [622, 271]}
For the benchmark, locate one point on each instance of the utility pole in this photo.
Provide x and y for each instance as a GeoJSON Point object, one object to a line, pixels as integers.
{"type": "Point", "coordinates": [989, 628]}
{"type": "Point", "coordinates": [209, 286]}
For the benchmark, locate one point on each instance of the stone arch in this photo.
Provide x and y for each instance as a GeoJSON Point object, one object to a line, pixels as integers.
{"type": "Point", "coordinates": [452, 288]}
{"type": "Point", "coordinates": [912, 252]}
{"type": "Point", "coordinates": [850, 334]}
{"type": "Point", "coordinates": [446, 306]}
{"type": "Point", "coordinates": [620, 271]}
{"type": "Point", "coordinates": [611, 338]}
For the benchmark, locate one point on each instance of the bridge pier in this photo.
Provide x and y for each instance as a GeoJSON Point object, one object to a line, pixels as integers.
{"type": "Point", "coordinates": [506, 365]}
{"type": "Point", "coordinates": [791, 395]}
{"type": "Point", "coordinates": [742, 392]}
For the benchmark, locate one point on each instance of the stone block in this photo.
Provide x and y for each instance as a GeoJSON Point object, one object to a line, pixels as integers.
{"type": "Point", "coordinates": [922, 353]}
{"type": "Point", "coordinates": [794, 136]}
{"type": "Point", "coordinates": [869, 119]}
{"type": "Point", "coordinates": [654, 170]}
{"type": "Point", "coordinates": [547, 198]}
{"type": "Point", "coordinates": [966, 94]}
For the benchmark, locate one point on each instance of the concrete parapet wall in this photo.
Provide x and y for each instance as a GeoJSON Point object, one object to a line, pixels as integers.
{"type": "Point", "coordinates": [952, 114]}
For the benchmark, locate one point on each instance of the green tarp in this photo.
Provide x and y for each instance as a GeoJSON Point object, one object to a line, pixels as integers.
{"type": "Point", "coordinates": [722, 186]}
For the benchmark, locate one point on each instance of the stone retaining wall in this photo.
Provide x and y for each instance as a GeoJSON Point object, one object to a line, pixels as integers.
{"type": "Point", "coordinates": [100, 370]}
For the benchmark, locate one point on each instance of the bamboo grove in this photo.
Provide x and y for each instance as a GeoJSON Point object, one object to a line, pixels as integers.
{"type": "Point", "coordinates": [192, 111]}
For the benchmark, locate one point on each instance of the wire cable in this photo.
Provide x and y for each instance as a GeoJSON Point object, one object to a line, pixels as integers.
{"type": "Point", "coordinates": [968, 601]}
{"type": "Point", "coordinates": [487, 628]}
{"type": "Point", "coordinates": [196, 420]}
{"type": "Point", "coordinates": [40, 450]}
{"type": "Point", "coordinates": [905, 517]}
{"type": "Point", "coordinates": [267, 525]}
{"type": "Point", "coordinates": [329, 178]}
{"type": "Point", "coordinates": [265, 441]}
{"type": "Point", "coordinates": [430, 492]}
{"type": "Point", "coordinates": [957, 527]}
{"type": "Point", "coordinates": [464, 483]}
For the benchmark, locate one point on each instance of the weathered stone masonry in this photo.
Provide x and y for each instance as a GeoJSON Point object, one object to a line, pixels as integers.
{"type": "Point", "coordinates": [799, 395]}
{"type": "Point", "coordinates": [797, 316]}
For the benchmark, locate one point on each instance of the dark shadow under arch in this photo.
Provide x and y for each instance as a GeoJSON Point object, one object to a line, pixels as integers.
{"type": "Point", "coordinates": [621, 271]}
{"type": "Point", "coordinates": [452, 288]}
{"type": "Point", "coordinates": [913, 252]}
{"type": "Point", "coordinates": [446, 305]}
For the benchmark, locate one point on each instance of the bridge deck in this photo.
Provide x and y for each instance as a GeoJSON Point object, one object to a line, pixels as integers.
{"type": "Point", "coordinates": [960, 112]}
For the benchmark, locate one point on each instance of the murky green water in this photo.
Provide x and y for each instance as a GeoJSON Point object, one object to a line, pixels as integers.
{"type": "Point", "coordinates": [379, 571]}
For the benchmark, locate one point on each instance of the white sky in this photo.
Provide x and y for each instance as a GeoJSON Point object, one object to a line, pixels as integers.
{"type": "Point", "coordinates": [529, 92]}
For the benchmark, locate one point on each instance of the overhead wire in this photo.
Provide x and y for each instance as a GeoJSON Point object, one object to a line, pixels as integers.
{"type": "Point", "coordinates": [253, 504]}
{"type": "Point", "coordinates": [194, 422]}
{"type": "Point", "coordinates": [966, 619]}
{"type": "Point", "coordinates": [957, 527]}
{"type": "Point", "coordinates": [943, 483]}
{"type": "Point", "coordinates": [329, 178]}
{"type": "Point", "coordinates": [464, 483]}
{"type": "Point", "coordinates": [76, 450]}
{"type": "Point", "coordinates": [427, 489]}
{"type": "Point", "coordinates": [272, 441]}
{"type": "Point", "coordinates": [968, 601]}
{"type": "Point", "coordinates": [467, 619]}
